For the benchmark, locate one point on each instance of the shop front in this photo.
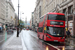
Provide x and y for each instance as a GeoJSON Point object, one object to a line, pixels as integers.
{"type": "Point", "coordinates": [71, 24]}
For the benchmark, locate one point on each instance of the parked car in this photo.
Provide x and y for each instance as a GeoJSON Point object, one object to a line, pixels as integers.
{"type": "Point", "coordinates": [13, 28]}
{"type": "Point", "coordinates": [1, 29]}
{"type": "Point", "coordinates": [9, 31]}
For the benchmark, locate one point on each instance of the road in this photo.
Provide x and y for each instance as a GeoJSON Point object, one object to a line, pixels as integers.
{"type": "Point", "coordinates": [32, 42]}
{"type": "Point", "coordinates": [3, 38]}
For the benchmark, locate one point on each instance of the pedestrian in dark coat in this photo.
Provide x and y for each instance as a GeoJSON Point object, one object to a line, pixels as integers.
{"type": "Point", "coordinates": [68, 34]}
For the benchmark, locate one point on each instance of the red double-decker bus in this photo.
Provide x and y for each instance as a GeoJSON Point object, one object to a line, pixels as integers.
{"type": "Point", "coordinates": [52, 27]}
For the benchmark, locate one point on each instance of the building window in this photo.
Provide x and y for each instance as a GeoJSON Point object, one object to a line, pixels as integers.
{"type": "Point", "coordinates": [64, 0]}
{"type": "Point", "coordinates": [64, 11]}
{"type": "Point", "coordinates": [70, 18]}
{"type": "Point", "coordinates": [41, 19]}
{"type": "Point", "coordinates": [70, 9]}
{"type": "Point", "coordinates": [6, 15]}
{"type": "Point", "coordinates": [40, 29]}
{"type": "Point", "coordinates": [40, 11]}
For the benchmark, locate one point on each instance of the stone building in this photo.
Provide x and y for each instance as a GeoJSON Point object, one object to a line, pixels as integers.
{"type": "Point", "coordinates": [2, 12]}
{"type": "Point", "coordinates": [68, 8]}
{"type": "Point", "coordinates": [32, 20]}
{"type": "Point", "coordinates": [16, 20]}
{"type": "Point", "coordinates": [10, 13]}
{"type": "Point", "coordinates": [37, 13]}
{"type": "Point", "coordinates": [26, 22]}
{"type": "Point", "coordinates": [62, 6]}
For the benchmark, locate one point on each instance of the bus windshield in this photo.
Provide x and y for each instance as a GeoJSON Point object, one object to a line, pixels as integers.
{"type": "Point", "coordinates": [56, 17]}
{"type": "Point", "coordinates": [55, 31]}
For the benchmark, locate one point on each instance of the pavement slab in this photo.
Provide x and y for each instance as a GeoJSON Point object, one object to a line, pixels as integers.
{"type": "Point", "coordinates": [14, 43]}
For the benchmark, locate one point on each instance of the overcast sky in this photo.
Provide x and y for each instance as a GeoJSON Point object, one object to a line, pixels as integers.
{"type": "Point", "coordinates": [26, 7]}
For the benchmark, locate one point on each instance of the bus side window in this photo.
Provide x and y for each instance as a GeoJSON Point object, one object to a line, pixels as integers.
{"type": "Point", "coordinates": [46, 17]}
{"type": "Point", "coordinates": [40, 29]}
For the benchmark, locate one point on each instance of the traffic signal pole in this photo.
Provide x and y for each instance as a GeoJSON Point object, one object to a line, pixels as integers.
{"type": "Point", "coordinates": [18, 21]}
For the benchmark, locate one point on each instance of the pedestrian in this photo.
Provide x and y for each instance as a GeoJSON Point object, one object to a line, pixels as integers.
{"type": "Point", "coordinates": [68, 34]}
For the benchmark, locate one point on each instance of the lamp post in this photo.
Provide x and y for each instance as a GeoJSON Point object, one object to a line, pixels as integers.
{"type": "Point", "coordinates": [21, 15]}
{"type": "Point", "coordinates": [18, 21]}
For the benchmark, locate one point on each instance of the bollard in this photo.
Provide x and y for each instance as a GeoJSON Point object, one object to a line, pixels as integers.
{"type": "Point", "coordinates": [5, 35]}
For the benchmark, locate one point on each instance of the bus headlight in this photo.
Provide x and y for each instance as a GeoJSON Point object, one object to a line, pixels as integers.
{"type": "Point", "coordinates": [48, 36]}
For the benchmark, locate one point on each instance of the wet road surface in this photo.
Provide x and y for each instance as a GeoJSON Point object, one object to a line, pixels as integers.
{"type": "Point", "coordinates": [32, 42]}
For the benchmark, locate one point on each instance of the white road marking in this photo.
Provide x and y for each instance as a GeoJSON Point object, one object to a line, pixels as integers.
{"type": "Point", "coordinates": [52, 46]}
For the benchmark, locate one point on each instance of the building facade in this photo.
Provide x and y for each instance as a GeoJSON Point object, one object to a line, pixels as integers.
{"type": "Point", "coordinates": [2, 12]}
{"type": "Point", "coordinates": [68, 8]}
{"type": "Point", "coordinates": [32, 20]}
{"type": "Point", "coordinates": [26, 22]}
{"type": "Point", "coordinates": [10, 13]}
{"type": "Point", "coordinates": [16, 20]}
{"type": "Point", "coordinates": [62, 6]}
{"type": "Point", "coordinates": [37, 13]}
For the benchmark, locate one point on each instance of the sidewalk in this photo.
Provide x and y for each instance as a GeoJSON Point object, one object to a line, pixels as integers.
{"type": "Point", "coordinates": [13, 43]}
{"type": "Point", "coordinates": [70, 41]}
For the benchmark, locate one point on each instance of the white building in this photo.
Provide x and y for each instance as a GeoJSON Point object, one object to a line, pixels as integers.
{"type": "Point", "coordinates": [32, 22]}
{"type": "Point", "coordinates": [2, 11]}
{"type": "Point", "coordinates": [37, 12]}
{"type": "Point", "coordinates": [61, 6]}
{"type": "Point", "coordinates": [10, 13]}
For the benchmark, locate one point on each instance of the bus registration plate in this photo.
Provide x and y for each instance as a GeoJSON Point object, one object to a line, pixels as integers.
{"type": "Point", "coordinates": [56, 40]}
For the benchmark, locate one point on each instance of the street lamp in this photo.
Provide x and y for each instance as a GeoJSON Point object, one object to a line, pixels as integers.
{"type": "Point", "coordinates": [21, 15]}
{"type": "Point", "coordinates": [18, 21]}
